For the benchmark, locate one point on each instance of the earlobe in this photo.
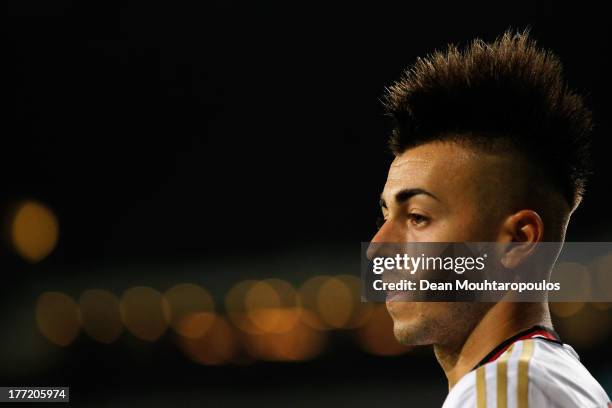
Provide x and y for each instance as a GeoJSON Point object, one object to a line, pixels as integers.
{"type": "Point", "coordinates": [523, 230]}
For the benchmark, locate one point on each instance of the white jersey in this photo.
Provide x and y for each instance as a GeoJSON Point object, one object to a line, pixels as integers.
{"type": "Point", "coordinates": [534, 372]}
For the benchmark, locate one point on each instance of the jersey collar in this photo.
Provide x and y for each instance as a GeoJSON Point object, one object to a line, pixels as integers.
{"type": "Point", "coordinates": [542, 332]}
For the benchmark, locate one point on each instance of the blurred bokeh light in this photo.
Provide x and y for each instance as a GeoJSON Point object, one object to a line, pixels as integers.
{"type": "Point", "coordinates": [334, 303]}
{"type": "Point", "coordinates": [217, 346]}
{"type": "Point", "coordinates": [236, 309]}
{"type": "Point", "coordinates": [143, 314]}
{"type": "Point", "coordinates": [190, 309]}
{"type": "Point", "coordinates": [272, 306]}
{"type": "Point", "coordinates": [586, 328]}
{"type": "Point", "coordinates": [57, 316]}
{"type": "Point", "coordinates": [573, 275]}
{"type": "Point", "coordinates": [565, 309]}
{"type": "Point", "coordinates": [34, 231]}
{"type": "Point", "coordinates": [100, 315]}
{"type": "Point", "coordinates": [601, 269]}
{"type": "Point", "coordinates": [309, 293]}
{"type": "Point", "coordinates": [300, 343]}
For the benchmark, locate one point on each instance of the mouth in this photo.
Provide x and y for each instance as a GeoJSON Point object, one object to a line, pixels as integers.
{"type": "Point", "coordinates": [394, 292]}
{"type": "Point", "coordinates": [394, 296]}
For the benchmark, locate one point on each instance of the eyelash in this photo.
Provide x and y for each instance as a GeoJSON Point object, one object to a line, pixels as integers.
{"type": "Point", "coordinates": [415, 218]}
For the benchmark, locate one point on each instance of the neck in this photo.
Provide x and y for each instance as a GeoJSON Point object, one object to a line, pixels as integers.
{"type": "Point", "coordinates": [500, 322]}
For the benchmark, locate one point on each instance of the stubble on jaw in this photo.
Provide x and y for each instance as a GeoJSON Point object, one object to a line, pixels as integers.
{"type": "Point", "coordinates": [448, 326]}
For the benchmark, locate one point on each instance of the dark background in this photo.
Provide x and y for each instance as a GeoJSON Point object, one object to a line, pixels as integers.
{"type": "Point", "coordinates": [171, 134]}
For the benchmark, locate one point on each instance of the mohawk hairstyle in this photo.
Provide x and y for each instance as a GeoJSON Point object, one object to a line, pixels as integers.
{"type": "Point", "coordinates": [507, 94]}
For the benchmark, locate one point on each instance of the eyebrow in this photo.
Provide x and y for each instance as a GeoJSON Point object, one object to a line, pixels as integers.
{"type": "Point", "coordinates": [406, 194]}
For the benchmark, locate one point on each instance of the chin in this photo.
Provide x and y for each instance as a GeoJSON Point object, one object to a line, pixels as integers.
{"type": "Point", "coordinates": [410, 326]}
{"type": "Point", "coordinates": [410, 334]}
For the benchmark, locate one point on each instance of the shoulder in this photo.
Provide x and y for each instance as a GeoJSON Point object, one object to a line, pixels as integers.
{"type": "Point", "coordinates": [557, 373]}
{"type": "Point", "coordinates": [533, 372]}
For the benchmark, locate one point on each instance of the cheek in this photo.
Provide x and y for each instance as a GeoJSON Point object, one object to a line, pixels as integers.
{"type": "Point", "coordinates": [401, 232]}
{"type": "Point", "coordinates": [475, 227]}
{"type": "Point", "coordinates": [461, 227]}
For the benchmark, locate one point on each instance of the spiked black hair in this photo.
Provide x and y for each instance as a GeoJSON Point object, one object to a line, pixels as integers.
{"type": "Point", "coordinates": [508, 93]}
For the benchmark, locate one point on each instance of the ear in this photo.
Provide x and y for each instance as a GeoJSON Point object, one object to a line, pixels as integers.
{"type": "Point", "coordinates": [523, 230]}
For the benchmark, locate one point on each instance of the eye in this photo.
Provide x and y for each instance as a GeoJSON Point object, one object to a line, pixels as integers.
{"type": "Point", "coordinates": [418, 220]}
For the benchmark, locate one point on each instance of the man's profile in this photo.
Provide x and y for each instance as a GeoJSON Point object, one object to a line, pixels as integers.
{"type": "Point", "coordinates": [490, 145]}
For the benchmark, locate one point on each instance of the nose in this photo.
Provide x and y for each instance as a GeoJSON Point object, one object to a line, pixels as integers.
{"type": "Point", "coordinates": [387, 234]}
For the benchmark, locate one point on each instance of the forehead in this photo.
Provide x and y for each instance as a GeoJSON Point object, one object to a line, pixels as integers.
{"type": "Point", "coordinates": [441, 168]}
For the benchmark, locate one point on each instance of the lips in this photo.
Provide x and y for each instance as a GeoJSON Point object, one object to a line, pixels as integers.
{"type": "Point", "coordinates": [391, 295]}
{"type": "Point", "coordinates": [395, 276]}
{"type": "Point", "coordinates": [396, 296]}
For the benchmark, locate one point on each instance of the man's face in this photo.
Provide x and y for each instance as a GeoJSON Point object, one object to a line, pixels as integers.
{"type": "Point", "coordinates": [442, 192]}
